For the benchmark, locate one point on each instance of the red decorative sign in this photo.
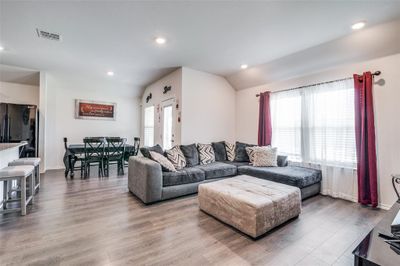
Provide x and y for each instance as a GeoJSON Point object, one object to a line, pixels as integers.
{"type": "Point", "coordinates": [94, 110]}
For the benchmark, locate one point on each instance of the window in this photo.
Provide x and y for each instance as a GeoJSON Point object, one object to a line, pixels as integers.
{"type": "Point", "coordinates": [149, 126]}
{"type": "Point", "coordinates": [316, 123]}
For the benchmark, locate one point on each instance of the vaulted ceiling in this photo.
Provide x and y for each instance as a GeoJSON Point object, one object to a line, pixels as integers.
{"type": "Point", "coordinates": [215, 37]}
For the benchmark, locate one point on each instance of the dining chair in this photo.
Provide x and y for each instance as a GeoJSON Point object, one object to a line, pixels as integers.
{"type": "Point", "coordinates": [72, 159]}
{"type": "Point", "coordinates": [114, 154]}
{"type": "Point", "coordinates": [133, 151]}
{"type": "Point", "coordinates": [94, 154]}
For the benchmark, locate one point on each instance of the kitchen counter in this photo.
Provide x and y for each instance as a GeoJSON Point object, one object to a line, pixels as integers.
{"type": "Point", "coordinates": [7, 146]}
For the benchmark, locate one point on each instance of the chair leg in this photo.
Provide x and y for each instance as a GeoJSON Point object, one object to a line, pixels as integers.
{"type": "Point", "coordinates": [37, 183]}
{"type": "Point", "coordinates": [23, 196]}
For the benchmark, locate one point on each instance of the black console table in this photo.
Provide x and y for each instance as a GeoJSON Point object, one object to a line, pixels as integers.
{"type": "Point", "coordinates": [372, 250]}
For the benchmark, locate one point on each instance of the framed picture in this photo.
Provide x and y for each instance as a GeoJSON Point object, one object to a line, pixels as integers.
{"type": "Point", "coordinates": [94, 110]}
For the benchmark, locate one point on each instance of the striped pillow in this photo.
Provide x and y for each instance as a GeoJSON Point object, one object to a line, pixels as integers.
{"type": "Point", "coordinates": [230, 151]}
{"type": "Point", "coordinates": [175, 155]}
{"type": "Point", "coordinates": [206, 153]}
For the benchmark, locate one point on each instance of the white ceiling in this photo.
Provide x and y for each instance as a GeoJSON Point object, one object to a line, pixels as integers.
{"type": "Point", "coordinates": [215, 37]}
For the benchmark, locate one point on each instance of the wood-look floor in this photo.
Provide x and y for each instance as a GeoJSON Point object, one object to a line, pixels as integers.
{"type": "Point", "coordinates": [98, 222]}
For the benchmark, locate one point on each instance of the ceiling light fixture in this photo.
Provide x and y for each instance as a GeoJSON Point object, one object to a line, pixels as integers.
{"type": "Point", "coordinates": [160, 40]}
{"type": "Point", "coordinates": [244, 66]}
{"type": "Point", "coordinates": [358, 25]}
{"type": "Point", "coordinates": [110, 73]}
{"type": "Point", "coordinates": [1, 48]}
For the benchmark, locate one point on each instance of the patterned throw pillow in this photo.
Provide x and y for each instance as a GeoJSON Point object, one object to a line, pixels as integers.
{"type": "Point", "coordinates": [251, 151]}
{"type": "Point", "coordinates": [161, 159]}
{"type": "Point", "coordinates": [206, 153]}
{"type": "Point", "coordinates": [266, 157]}
{"type": "Point", "coordinates": [230, 151]}
{"type": "Point", "coordinates": [176, 157]}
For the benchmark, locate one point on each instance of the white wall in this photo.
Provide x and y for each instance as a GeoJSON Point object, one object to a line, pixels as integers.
{"type": "Point", "coordinates": [61, 92]}
{"type": "Point", "coordinates": [174, 80]}
{"type": "Point", "coordinates": [19, 93]}
{"type": "Point", "coordinates": [208, 108]}
{"type": "Point", "coordinates": [386, 101]}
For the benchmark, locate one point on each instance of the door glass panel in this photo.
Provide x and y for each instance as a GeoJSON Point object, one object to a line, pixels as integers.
{"type": "Point", "coordinates": [167, 127]}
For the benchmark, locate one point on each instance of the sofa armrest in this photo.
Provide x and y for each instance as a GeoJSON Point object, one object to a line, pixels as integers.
{"type": "Point", "coordinates": [145, 179]}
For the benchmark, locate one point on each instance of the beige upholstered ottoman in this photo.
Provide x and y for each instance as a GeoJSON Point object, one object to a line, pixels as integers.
{"type": "Point", "coordinates": [250, 204]}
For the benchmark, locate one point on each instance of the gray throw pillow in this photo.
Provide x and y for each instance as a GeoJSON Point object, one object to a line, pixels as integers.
{"type": "Point", "coordinates": [240, 151]}
{"type": "Point", "coordinates": [282, 161]}
{"type": "Point", "coordinates": [146, 150]}
{"type": "Point", "coordinates": [265, 157]}
{"type": "Point", "coordinates": [219, 151]}
{"type": "Point", "coordinates": [191, 154]}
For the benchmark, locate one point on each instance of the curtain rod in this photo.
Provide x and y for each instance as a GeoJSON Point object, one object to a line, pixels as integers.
{"type": "Point", "coordinates": [376, 73]}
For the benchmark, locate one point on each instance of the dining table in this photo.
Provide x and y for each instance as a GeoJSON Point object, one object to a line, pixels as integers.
{"type": "Point", "coordinates": [79, 149]}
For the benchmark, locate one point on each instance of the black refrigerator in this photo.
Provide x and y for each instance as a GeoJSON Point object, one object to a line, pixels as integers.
{"type": "Point", "coordinates": [19, 122]}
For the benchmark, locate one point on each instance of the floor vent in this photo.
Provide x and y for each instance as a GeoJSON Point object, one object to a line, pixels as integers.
{"type": "Point", "coordinates": [48, 35]}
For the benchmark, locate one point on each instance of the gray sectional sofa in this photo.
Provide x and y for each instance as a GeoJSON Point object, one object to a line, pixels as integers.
{"type": "Point", "coordinates": [150, 183]}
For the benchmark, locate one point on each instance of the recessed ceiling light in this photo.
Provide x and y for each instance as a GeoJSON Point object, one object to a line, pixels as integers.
{"type": "Point", "coordinates": [1, 48]}
{"type": "Point", "coordinates": [358, 25]}
{"type": "Point", "coordinates": [244, 66]}
{"type": "Point", "coordinates": [110, 73]}
{"type": "Point", "coordinates": [160, 40]}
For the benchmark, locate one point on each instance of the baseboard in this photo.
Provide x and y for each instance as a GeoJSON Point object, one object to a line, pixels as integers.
{"type": "Point", "coordinates": [384, 206]}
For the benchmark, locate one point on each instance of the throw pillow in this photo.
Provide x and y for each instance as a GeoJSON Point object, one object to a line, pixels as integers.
{"type": "Point", "coordinates": [176, 157]}
{"type": "Point", "coordinates": [266, 157]}
{"type": "Point", "coordinates": [230, 151]}
{"type": "Point", "coordinates": [146, 150]}
{"type": "Point", "coordinates": [166, 165]}
{"type": "Point", "coordinates": [219, 151]}
{"type": "Point", "coordinates": [282, 160]}
{"type": "Point", "coordinates": [206, 153]}
{"type": "Point", "coordinates": [191, 154]}
{"type": "Point", "coordinates": [240, 152]}
{"type": "Point", "coordinates": [251, 151]}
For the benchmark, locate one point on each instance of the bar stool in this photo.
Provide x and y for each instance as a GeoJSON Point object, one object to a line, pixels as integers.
{"type": "Point", "coordinates": [35, 162]}
{"type": "Point", "coordinates": [23, 174]}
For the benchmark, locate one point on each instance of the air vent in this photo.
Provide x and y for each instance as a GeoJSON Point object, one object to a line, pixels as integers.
{"type": "Point", "coordinates": [48, 35]}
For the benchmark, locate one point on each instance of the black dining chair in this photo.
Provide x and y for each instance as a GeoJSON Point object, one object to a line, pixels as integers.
{"type": "Point", "coordinates": [94, 148]}
{"type": "Point", "coordinates": [114, 154]}
{"type": "Point", "coordinates": [133, 151]}
{"type": "Point", "coordinates": [72, 159]}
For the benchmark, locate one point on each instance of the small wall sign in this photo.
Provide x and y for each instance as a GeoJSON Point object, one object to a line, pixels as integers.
{"type": "Point", "coordinates": [94, 110]}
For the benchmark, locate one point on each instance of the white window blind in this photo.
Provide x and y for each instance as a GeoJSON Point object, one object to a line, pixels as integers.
{"type": "Point", "coordinates": [316, 124]}
{"type": "Point", "coordinates": [149, 126]}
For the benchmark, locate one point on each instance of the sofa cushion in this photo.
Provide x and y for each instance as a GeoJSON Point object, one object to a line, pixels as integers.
{"type": "Point", "coordinates": [237, 164]}
{"type": "Point", "coordinates": [240, 151]}
{"type": "Point", "coordinates": [290, 175]}
{"type": "Point", "coordinates": [184, 176]}
{"type": "Point", "coordinates": [218, 169]}
{"type": "Point", "coordinates": [145, 151]}
{"type": "Point", "coordinates": [191, 154]}
{"type": "Point", "coordinates": [219, 151]}
{"type": "Point", "coordinates": [206, 153]}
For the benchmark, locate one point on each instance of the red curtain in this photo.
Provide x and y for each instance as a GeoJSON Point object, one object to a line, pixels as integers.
{"type": "Point", "coordinates": [264, 120]}
{"type": "Point", "coordinates": [365, 140]}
